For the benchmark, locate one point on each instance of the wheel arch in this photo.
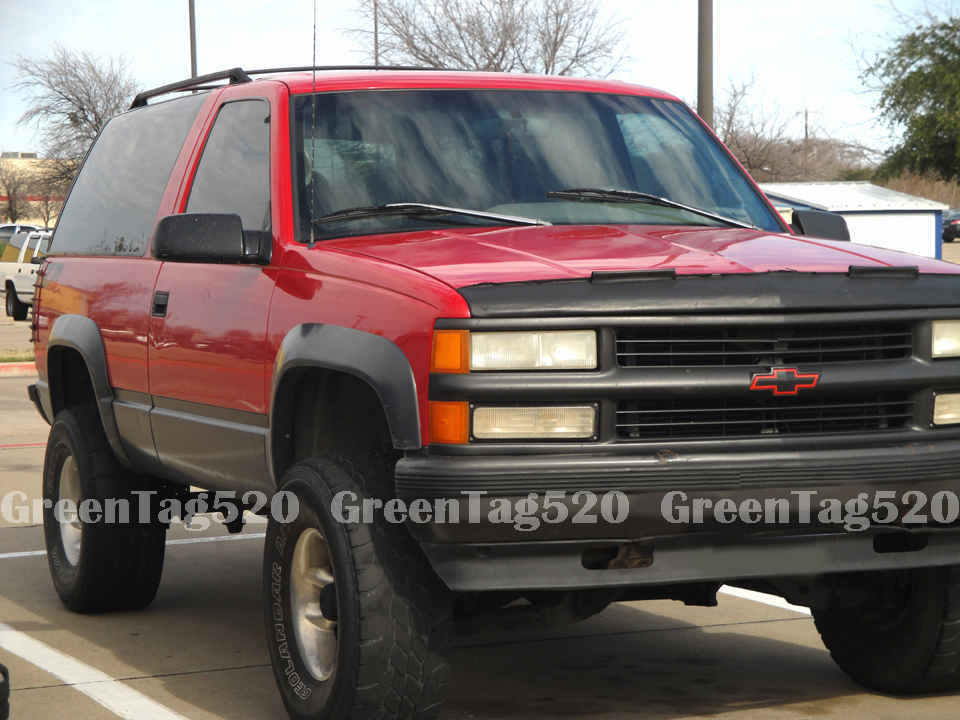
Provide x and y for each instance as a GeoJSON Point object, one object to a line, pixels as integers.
{"type": "Point", "coordinates": [375, 362]}
{"type": "Point", "coordinates": [75, 351]}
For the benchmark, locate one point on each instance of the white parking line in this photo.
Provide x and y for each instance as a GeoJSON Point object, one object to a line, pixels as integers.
{"type": "Point", "coordinates": [775, 601]}
{"type": "Point", "coordinates": [184, 541]}
{"type": "Point", "coordinates": [218, 538]}
{"type": "Point", "coordinates": [27, 553]}
{"type": "Point", "coordinates": [121, 700]}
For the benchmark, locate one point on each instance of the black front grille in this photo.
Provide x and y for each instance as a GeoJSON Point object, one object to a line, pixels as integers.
{"type": "Point", "coordinates": [656, 419]}
{"type": "Point", "coordinates": [796, 344]}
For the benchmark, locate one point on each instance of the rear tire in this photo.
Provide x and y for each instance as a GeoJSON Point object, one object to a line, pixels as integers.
{"type": "Point", "coordinates": [390, 611]}
{"type": "Point", "coordinates": [101, 566]}
{"type": "Point", "coordinates": [15, 309]}
{"type": "Point", "coordinates": [906, 639]}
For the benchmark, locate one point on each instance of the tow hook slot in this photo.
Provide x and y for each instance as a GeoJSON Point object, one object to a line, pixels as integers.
{"type": "Point", "coordinates": [630, 556]}
{"type": "Point", "coordinates": [899, 542]}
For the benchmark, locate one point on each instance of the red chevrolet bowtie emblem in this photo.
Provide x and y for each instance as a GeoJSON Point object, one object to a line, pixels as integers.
{"type": "Point", "coordinates": [784, 381]}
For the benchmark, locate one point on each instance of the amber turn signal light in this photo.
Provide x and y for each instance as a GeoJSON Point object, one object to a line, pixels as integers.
{"type": "Point", "coordinates": [449, 422]}
{"type": "Point", "coordinates": [451, 351]}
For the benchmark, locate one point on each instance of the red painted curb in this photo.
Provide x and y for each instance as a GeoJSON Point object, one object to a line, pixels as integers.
{"type": "Point", "coordinates": [18, 369]}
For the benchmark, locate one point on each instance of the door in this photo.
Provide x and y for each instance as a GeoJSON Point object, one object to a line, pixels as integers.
{"type": "Point", "coordinates": [101, 267]}
{"type": "Point", "coordinates": [208, 355]}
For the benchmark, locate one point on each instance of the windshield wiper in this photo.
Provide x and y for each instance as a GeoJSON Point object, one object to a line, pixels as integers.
{"type": "Point", "coordinates": [408, 208]}
{"type": "Point", "coordinates": [632, 196]}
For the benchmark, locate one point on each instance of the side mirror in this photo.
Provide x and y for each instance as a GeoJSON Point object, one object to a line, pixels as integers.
{"type": "Point", "coordinates": [814, 223]}
{"type": "Point", "coordinates": [210, 238]}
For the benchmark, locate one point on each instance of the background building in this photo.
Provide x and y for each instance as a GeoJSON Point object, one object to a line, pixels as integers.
{"type": "Point", "coordinates": [875, 215]}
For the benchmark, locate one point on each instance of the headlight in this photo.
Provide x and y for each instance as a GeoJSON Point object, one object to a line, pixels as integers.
{"type": "Point", "coordinates": [946, 409]}
{"type": "Point", "coordinates": [524, 423]}
{"type": "Point", "coordinates": [946, 338]}
{"type": "Point", "coordinates": [555, 350]}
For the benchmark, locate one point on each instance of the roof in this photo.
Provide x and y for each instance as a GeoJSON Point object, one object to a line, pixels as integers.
{"type": "Point", "coordinates": [857, 196]}
{"type": "Point", "coordinates": [303, 82]}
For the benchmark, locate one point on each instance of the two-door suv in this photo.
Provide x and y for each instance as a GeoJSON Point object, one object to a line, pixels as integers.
{"type": "Point", "coordinates": [516, 348]}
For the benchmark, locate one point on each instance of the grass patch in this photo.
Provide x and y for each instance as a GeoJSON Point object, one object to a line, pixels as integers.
{"type": "Point", "coordinates": [16, 355]}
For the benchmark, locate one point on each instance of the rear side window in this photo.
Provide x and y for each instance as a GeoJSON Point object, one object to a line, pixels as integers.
{"type": "Point", "coordinates": [234, 171]}
{"type": "Point", "coordinates": [113, 205]}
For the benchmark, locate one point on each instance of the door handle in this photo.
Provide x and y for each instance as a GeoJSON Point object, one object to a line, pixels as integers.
{"type": "Point", "coordinates": [160, 300]}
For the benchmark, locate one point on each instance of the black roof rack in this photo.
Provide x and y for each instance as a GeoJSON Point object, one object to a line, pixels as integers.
{"type": "Point", "coordinates": [321, 68]}
{"type": "Point", "coordinates": [234, 75]}
{"type": "Point", "coordinates": [239, 75]}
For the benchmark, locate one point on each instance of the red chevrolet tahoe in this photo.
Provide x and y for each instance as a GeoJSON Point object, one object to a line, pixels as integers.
{"type": "Point", "coordinates": [511, 347]}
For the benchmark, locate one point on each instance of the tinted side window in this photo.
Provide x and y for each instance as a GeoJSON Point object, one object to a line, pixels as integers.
{"type": "Point", "coordinates": [113, 205]}
{"type": "Point", "coordinates": [234, 171]}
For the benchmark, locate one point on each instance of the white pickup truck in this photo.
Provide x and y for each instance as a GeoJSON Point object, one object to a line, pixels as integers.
{"type": "Point", "coordinates": [19, 276]}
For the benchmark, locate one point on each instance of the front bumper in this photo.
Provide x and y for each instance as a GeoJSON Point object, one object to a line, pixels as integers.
{"type": "Point", "coordinates": [482, 553]}
{"type": "Point", "coordinates": [670, 561]}
{"type": "Point", "coordinates": [840, 473]}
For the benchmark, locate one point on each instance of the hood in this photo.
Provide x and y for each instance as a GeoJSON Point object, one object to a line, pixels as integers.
{"type": "Point", "coordinates": [462, 257]}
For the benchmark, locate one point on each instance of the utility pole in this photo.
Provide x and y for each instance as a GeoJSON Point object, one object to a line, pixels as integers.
{"type": "Point", "coordinates": [705, 62]}
{"type": "Point", "coordinates": [193, 40]}
{"type": "Point", "coordinates": [376, 34]}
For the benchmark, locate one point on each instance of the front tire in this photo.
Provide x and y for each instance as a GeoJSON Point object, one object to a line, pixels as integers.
{"type": "Point", "coordinates": [4, 693]}
{"type": "Point", "coordinates": [366, 643]}
{"type": "Point", "coordinates": [98, 566]}
{"type": "Point", "coordinates": [905, 638]}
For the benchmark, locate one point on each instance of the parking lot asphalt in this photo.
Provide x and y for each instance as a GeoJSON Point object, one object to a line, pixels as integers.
{"type": "Point", "coordinates": [14, 338]}
{"type": "Point", "coordinates": [198, 651]}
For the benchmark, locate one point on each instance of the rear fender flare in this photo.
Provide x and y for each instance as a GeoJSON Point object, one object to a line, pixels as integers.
{"type": "Point", "coordinates": [80, 333]}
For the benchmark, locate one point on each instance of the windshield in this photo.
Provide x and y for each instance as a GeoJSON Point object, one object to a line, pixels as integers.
{"type": "Point", "coordinates": [502, 151]}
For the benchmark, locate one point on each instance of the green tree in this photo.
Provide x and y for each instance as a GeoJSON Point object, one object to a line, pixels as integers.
{"type": "Point", "coordinates": [919, 82]}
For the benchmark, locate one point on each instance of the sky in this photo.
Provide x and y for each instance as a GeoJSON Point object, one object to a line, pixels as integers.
{"type": "Point", "coordinates": [799, 54]}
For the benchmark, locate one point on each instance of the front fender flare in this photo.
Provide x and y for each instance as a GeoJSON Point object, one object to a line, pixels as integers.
{"type": "Point", "coordinates": [371, 358]}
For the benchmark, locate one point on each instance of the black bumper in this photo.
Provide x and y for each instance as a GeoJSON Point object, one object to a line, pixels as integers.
{"type": "Point", "coordinates": [33, 392]}
{"type": "Point", "coordinates": [646, 480]}
{"type": "Point", "coordinates": [481, 553]}
{"type": "Point", "coordinates": [669, 561]}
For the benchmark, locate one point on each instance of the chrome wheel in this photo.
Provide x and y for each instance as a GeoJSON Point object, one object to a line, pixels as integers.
{"type": "Point", "coordinates": [312, 571]}
{"type": "Point", "coordinates": [71, 530]}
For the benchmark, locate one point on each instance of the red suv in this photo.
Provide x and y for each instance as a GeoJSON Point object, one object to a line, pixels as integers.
{"type": "Point", "coordinates": [511, 346]}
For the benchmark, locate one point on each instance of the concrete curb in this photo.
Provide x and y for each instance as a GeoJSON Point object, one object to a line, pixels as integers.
{"type": "Point", "coordinates": [18, 369]}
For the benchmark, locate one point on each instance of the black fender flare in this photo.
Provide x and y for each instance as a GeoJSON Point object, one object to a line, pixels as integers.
{"type": "Point", "coordinates": [371, 358]}
{"type": "Point", "coordinates": [80, 333]}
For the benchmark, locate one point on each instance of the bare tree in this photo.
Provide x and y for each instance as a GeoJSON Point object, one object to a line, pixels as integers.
{"type": "Point", "coordinates": [758, 138]}
{"type": "Point", "coordinates": [554, 37]}
{"type": "Point", "coordinates": [13, 184]}
{"type": "Point", "coordinates": [49, 191]}
{"type": "Point", "coordinates": [761, 140]}
{"type": "Point", "coordinates": [72, 95]}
